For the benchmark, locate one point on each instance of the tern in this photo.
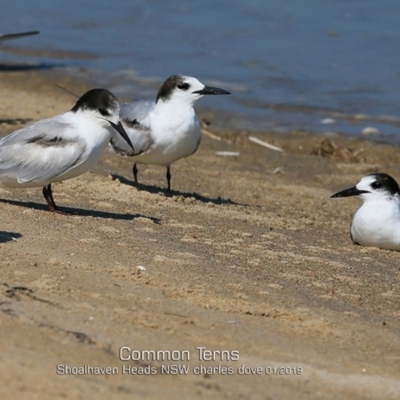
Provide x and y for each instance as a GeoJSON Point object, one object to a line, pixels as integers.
{"type": "Point", "coordinates": [61, 147]}
{"type": "Point", "coordinates": [377, 222]}
{"type": "Point", "coordinates": [166, 130]}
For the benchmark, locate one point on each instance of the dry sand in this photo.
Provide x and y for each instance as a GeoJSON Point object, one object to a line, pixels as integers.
{"type": "Point", "coordinates": [239, 259]}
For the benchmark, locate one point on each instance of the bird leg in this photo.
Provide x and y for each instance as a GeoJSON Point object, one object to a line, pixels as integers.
{"type": "Point", "coordinates": [135, 171]}
{"type": "Point", "coordinates": [168, 181]}
{"type": "Point", "coordinates": [48, 195]}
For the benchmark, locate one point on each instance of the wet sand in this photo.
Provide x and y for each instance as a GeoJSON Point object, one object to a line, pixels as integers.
{"type": "Point", "coordinates": [249, 258]}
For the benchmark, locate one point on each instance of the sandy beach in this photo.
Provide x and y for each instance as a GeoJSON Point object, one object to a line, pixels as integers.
{"type": "Point", "coordinates": [248, 268]}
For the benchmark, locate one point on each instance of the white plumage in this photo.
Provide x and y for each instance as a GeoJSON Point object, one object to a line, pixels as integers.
{"type": "Point", "coordinates": [61, 147]}
{"type": "Point", "coordinates": [377, 222]}
{"type": "Point", "coordinates": [166, 130]}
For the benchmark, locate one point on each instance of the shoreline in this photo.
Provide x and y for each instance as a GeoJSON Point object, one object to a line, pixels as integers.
{"type": "Point", "coordinates": [249, 255]}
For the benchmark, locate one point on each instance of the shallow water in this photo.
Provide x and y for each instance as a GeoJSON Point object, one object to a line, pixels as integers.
{"type": "Point", "coordinates": [290, 65]}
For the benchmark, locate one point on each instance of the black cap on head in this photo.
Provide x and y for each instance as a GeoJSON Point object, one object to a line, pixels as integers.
{"type": "Point", "coordinates": [373, 183]}
{"type": "Point", "coordinates": [107, 105]}
{"type": "Point", "coordinates": [185, 83]}
{"type": "Point", "coordinates": [385, 182]}
{"type": "Point", "coordinates": [169, 85]}
{"type": "Point", "coordinates": [97, 99]}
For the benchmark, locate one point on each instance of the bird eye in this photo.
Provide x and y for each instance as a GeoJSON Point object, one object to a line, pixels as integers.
{"type": "Point", "coordinates": [104, 112]}
{"type": "Point", "coordinates": [376, 185]}
{"type": "Point", "coordinates": [183, 86]}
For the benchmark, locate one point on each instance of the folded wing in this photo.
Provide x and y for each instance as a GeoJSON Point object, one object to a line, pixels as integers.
{"type": "Point", "coordinates": [134, 119]}
{"type": "Point", "coordinates": [40, 152]}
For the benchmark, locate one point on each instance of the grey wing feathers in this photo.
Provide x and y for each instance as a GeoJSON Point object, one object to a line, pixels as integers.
{"type": "Point", "coordinates": [39, 152]}
{"type": "Point", "coordinates": [133, 117]}
{"type": "Point", "coordinates": [138, 110]}
{"type": "Point", "coordinates": [140, 137]}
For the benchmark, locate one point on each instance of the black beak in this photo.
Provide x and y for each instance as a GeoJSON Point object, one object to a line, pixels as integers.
{"type": "Point", "coordinates": [349, 192]}
{"type": "Point", "coordinates": [120, 129]}
{"type": "Point", "coordinates": [211, 90]}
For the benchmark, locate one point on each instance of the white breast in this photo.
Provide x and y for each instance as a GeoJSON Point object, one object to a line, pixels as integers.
{"type": "Point", "coordinates": [377, 224]}
{"type": "Point", "coordinates": [175, 133]}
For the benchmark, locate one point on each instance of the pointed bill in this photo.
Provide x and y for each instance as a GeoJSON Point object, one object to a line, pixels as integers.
{"type": "Point", "coordinates": [120, 129]}
{"type": "Point", "coordinates": [349, 192]}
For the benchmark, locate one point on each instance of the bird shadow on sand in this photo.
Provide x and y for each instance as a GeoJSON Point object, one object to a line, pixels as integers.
{"type": "Point", "coordinates": [159, 190]}
{"type": "Point", "coordinates": [72, 211]}
{"type": "Point", "coordinates": [9, 236]}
